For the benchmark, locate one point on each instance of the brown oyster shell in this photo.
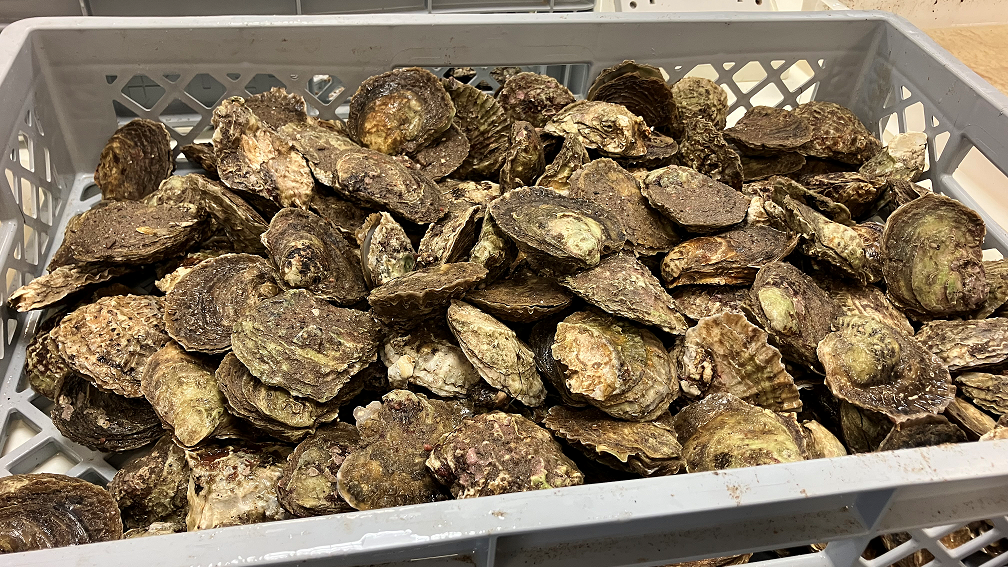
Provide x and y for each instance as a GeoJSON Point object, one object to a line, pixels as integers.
{"type": "Point", "coordinates": [820, 442]}
{"type": "Point", "coordinates": [836, 245]}
{"type": "Point", "coordinates": [690, 418]}
{"type": "Point", "coordinates": [429, 357]}
{"type": "Point", "coordinates": [871, 238]}
{"type": "Point", "coordinates": [522, 298]}
{"type": "Point", "coordinates": [697, 97]}
{"type": "Point", "coordinates": [201, 155]}
{"type": "Point", "coordinates": [471, 192]}
{"type": "Point", "coordinates": [989, 391]}
{"type": "Point", "coordinates": [493, 249]}
{"type": "Point", "coordinates": [308, 484]}
{"type": "Point", "coordinates": [183, 391]}
{"type": "Point", "coordinates": [103, 421]}
{"type": "Point", "coordinates": [853, 190]}
{"type": "Point", "coordinates": [45, 367]}
{"type": "Point", "coordinates": [317, 140]}
{"type": "Point", "coordinates": [863, 429]}
{"type": "Point", "coordinates": [156, 529]}
{"type": "Point", "coordinates": [299, 342]}
{"type": "Point", "coordinates": [609, 128]}
{"type": "Point", "coordinates": [444, 155]}
{"type": "Point", "coordinates": [347, 217]}
{"type": "Point", "coordinates": [837, 133]}
{"type": "Point", "coordinates": [793, 309]}
{"type": "Point", "coordinates": [765, 129]}
{"type": "Point", "coordinates": [996, 273]}
{"type": "Point", "coordinates": [693, 201]}
{"type": "Point", "coordinates": [876, 367]}
{"type": "Point", "coordinates": [524, 161]}
{"type": "Point", "coordinates": [571, 157]}
{"type": "Point", "coordinates": [704, 149]}
{"type": "Point", "coordinates": [400, 111]}
{"type": "Point", "coordinates": [699, 301]}
{"type": "Point", "coordinates": [967, 345]}
{"type": "Point", "coordinates": [727, 353]}
{"type": "Point", "coordinates": [61, 284]}
{"type": "Point", "coordinates": [406, 300]}
{"type": "Point", "coordinates": [504, 361]}
{"type": "Point", "coordinates": [152, 488]}
{"type": "Point", "coordinates": [730, 258]}
{"type": "Point", "coordinates": [852, 298]}
{"type": "Point", "coordinates": [484, 124]}
{"type": "Point", "coordinates": [385, 250]}
{"type": "Point", "coordinates": [277, 108]}
{"type": "Point", "coordinates": [923, 431]}
{"type": "Point", "coordinates": [134, 160]}
{"type": "Point", "coordinates": [762, 167]}
{"type": "Point", "coordinates": [904, 158]}
{"type": "Point", "coordinates": [777, 188]}
{"type": "Point", "coordinates": [533, 98]}
{"type": "Point", "coordinates": [451, 238]}
{"type": "Point", "coordinates": [645, 448]}
{"type": "Point", "coordinates": [641, 89]}
{"type": "Point", "coordinates": [969, 418]}
{"type": "Point", "coordinates": [512, 454]}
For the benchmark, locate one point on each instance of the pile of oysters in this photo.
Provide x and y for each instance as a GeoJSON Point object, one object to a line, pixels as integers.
{"type": "Point", "coordinates": [457, 293]}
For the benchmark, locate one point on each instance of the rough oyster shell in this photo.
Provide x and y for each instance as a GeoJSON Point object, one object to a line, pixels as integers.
{"type": "Point", "coordinates": [793, 309]}
{"type": "Point", "coordinates": [704, 149]}
{"type": "Point", "coordinates": [103, 421]}
{"type": "Point", "coordinates": [152, 488]}
{"type": "Point", "coordinates": [989, 391]}
{"type": "Point", "coordinates": [493, 249]}
{"type": "Point", "coordinates": [522, 298]}
{"type": "Point", "coordinates": [317, 140]}
{"type": "Point", "coordinates": [45, 367]}
{"type": "Point", "coordinates": [922, 431]}
{"type": "Point", "coordinates": [533, 98]}
{"type": "Point", "coordinates": [853, 190]}
{"type": "Point", "coordinates": [837, 133]}
{"type": "Point", "coordinates": [693, 201]}
{"type": "Point", "coordinates": [406, 300]}
{"type": "Point", "coordinates": [730, 258]}
{"type": "Point", "coordinates": [699, 301]}
{"type": "Point", "coordinates": [837, 245]}
{"type": "Point", "coordinates": [347, 217]}
{"type": "Point", "coordinates": [472, 192]}
{"type": "Point", "coordinates": [970, 419]}
{"type": "Point", "coordinates": [762, 167]}
{"type": "Point", "coordinates": [690, 418]}
{"type": "Point", "coordinates": [641, 89]}
{"type": "Point", "coordinates": [444, 155]}
{"type": "Point", "coordinates": [386, 252]}
{"type": "Point", "coordinates": [863, 430]}
{"type": "Point", "coordinates": [484, 124]}
{"type": "Point", "coordinates": [765, 129]}
{"type": "Point", "coordinates": [134, 160]}
{"type": "Point", "coordinates": [451, 238]}
{"type": "Point", "coordinates": [852, 298]}
{"type": "Point", "coordinates": [871, 238]}
{"type": "Point", "coordinates": [571, 157]}
{"type": "Point", "coordinates": [697, 97]}
{"type": "Point", "coordinates": [609, 128]}
{"type": "Point", "coordinates": [277, 108]}
{"type": "Point", "coordinates": [61, 284]}
{"type": "Point", "coordinates": [183, 391]}
{"type": "Point", "coordinates": [429, 357]}
{"type": "Point", "coordinates": [904, 158]}
{"type": "Point", "coordinates": [202, 155]}
{"type": "Point", "coordinates": [156, 529]}
{"type": "Point", "coordinates": [967, 345]}
{"type": "Point", "coordinates": [524, 161]}
{"type": "Point", "coordinates": [307, 486]}
{"type": "Point", "coordinates": [996, 273]}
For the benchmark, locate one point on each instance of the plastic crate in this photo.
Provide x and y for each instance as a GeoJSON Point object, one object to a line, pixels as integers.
{"type": "Point", "coordinates": [59, 79]}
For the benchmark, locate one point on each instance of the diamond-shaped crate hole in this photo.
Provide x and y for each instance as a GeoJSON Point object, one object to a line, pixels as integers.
{"type": "Point", "coordinates": [48, 457]}
{"type": "Point", "coordinates": [16, 432]}
{"type": "Point", "coordinates": [749, 76]}
{"type": "Point", "coordinates": [143, 90]}
{"type": "Point", "coordinates": [205, 89]}
{"type": "Point", "coordinates": [262, 83]}
{"type": "Point", "coordinates": [795, 76]}
{"type": "Point", "coordinates": [25, 152]}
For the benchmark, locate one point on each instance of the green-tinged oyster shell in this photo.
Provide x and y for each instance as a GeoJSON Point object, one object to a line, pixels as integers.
{"type": "Point", "coordinates": [697, 97]}
{"type": "Point", "coordinates": [923, 431]}
{"type": "Point", "coordinates": [793, 309]}
{"type": "Point", "coordinates": [820, 442]}
{"type": "Point", "coordinates": [134, 160]}
{"type": "Point", "coordinates": [863, 429]}
{"type": "Point", "coordinates": [871, 239]}
{"type": "Point", "coordinates": [836, 245]}
{"type": "Point", "coordinates": [609, 128]}
{"type": "Point", "coordinates": [852, 298]}
{"type": "Point", "coordinates": [308, 485]}
{"type": "Point", "coordinates": [904, 158]}
{"type": "Point", "coordinates": [183, 391]}
{"type": "Point", "coordinates": [699, 301]}
{"type": "Point", "coordinates": [493, 249]}
{"type": "Point", "coordinates": [152, 488]}
{"type": "Point", "coordinates": [996, 273]}
{"type": "Point", "coordinates": [524, 161]}
{"type": "Point", "coordinates": [730, 258]}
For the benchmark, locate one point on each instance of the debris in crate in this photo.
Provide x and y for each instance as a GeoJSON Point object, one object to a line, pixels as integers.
{"type": "Point", "coordinates": [632, 297]}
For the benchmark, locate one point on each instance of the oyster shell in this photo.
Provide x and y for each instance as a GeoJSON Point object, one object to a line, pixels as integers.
{"type": "Point", "coordinates": [699, 301]}
{"type": "Point", "coordinates": [406, 300]}
{"type": "Point", "coordinates": [765, 129]}
{"type": "Point", "coordinates": [615, 366]}
{"type": "Point", "coordinates": [43, 511]}
{"type": "Point", "coordinates": [641, 89]}
{"type": "Point", "coordinates": [451, 238]}
{"type": "Point", "coordinates": [661, 152]}
{"type": "Point", "coordinates": [923, 431]}
{"type": "Point", "coordinates": [989, 391]}
{"type": "Point", "coordinates": [429, 357]}
{"type": "Point", "coordinates": [112, 340]}
{"type": "Point", "coordinates": [61, 284]}
{"type": "Point", "coordinates": [310, 254]}
{"type": "Point", "coordinates": [522, 298]}
{"type": "Point", "coordinates": [730, 258]}
{"type": "Point", "coordinates": [621, 285]}
{"type": "Point", "coordinates": [524, 161]}
{"type": "Point", "coordinates": [855, 299]}
{"type": "Point", "coordinates": [396, 435]}
{"type": "Point", "coordinates": [688, 421]}
{"type": "Point", "coordinates": [234, 484]}
{"type": "Point", "coordinates": [559, 233]}
{"type": "Point", "coordinates": [763, 167]}
{"type": "Point", "coordinates": [183, 391]}
{"type": "Point", "coordinates": [152, 488]}
{"type": "Point", "coordinates": [904, 158]}
{"type": "Point", "coordinates": [533, 98]}
{"type": "Point", "coordinates": [45, 367]}
{"type": "Point", "coordinates": [967, 345]}
{"type": "Point", "coordinates": [837, 133]}
{"type": "Point", "coordinates": [863, 430]}
{"type": "Point", "coordinates": [727, 353]}
{"type": "Point", "coordinates": [853, 190]}
{"type": "Point", "coordinates": [317, 140]}
{"type": "Point", "coordinates": [102, 421]}
{"type": "Point", "coordinates": [609, 128]}
{"type": "Point", "coordinates": [871, 238]}
{"type": "Point", "coordinates": [134, 160]}
{"type": "Point", "coordinates": [693, 201]}
{"type": "Point", "coordinates": [471, 192]}
{"type": "Point", "coordinates": [155, 529]}
{"type": "Point", "coordinates": [793, 309]}
{"type": "Point", "coordinates": [820, 442]}
{"type": "Point", "coordinates": [444, 155]}
{"type": "Point", "coordinates": [605, 183]}
{"type": "Point", "coordinates": [300, 343]}
{"type": "Point", "coordinates": [502, 360]}
{"type": "Point", "coordinates": [876, 367]}
{"type": "Point", "coordinates": [837, 245]}
{"type": "Point", "coordinates": [493, 249]}
{"type": "Point", "coordinates": [484, 124]}
{"type": "Point", "coordinates": [996, 273]}
{"type": "Point", "coordinates": [344, 215]}
{"type": "Point", "coordinates": [645, 448]}
{"type": "Point", "coordinates": [400, 111]}
{"type": "Point", "coordinates": [970, 419]}
{"type": "Point", "coordinates": [704, 149]}
{"type": "Point", "coordinates": [386, 252]}
{"type": "Point", "coordinates": [499, 453]}
{"type": "Point", "coordinates": [572, 156]}
{"type": "Point", "coordinates": [778, 188]}
{"type": "Point", "coordinates": [697, 97]}
{"type": "Point", "coordinates": [307, 486]}
{"type": "Point", "coordinates": [201, 155]}
{"type": "Point", "coordinates": [202, 307]}
{"type": "Point", "coordinates": [277, 108]}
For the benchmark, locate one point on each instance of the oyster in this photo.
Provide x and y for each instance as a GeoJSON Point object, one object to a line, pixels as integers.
{"type": "Point", "coordinates": [429, 357]}
{"type": "Point", "coordinates": [134, 160]}
{"type": "Point", "coordinates": [503, 361]}
{"type": "Point", "coordinates": [694, 201]}
{"type": "Point", "coordinates": [697, 97]}
{"type": "Point", "coordinates": [176, 268]}
{"type": "Point", "coordinates": [730, 258]}
{"type": "Point", "coordinates": [820, 442]}
{"type": "Point", "coordinates": [970, 419]}
{"type": "Point", "coordinates": [307, 486]}
{"type": "Point", "coordinates": [452, 237]}
{"type": "Point", "coordinates": [203, 305]}
{"type": "Point", "coordinates": [499, 453]}
{"type": "Point", "coordinates": [344, 215]}
{"type": "Point", "coordinates": [727, 353]}
{"type": "Point", "coordinates": [609, 128]}
{"type": "Point", "coordinates": [688, 421]}
{"type": "Point", "coordinates": [45, 367]}
{"type": "Point", "coordinates": [277, 108]}
{"type": "Point", "coordinates": [661, 152]}
{"type": "Point", "coordinates": [43, 511]}
{"type": "Point", "coordinates": [102, 421]}
{"type": "Point", "coordinates": [645, 448]}
{"type": "Point", "coordinates": [904, 158]}
{"type": "Point", "coordinates": [471, 192]}
{"type": "Point", "coordinates": [396, 435]}
{"type": "Point", "coordinates": [112, 340]}
{"type": "Point", "coordinates": [300, 343]}
{"type": "Point", "coordinates": [967, 345]}
{"type": "Point", "coordinates": [484, 124]}
{"type": "Point", "coordinates": [559, 233]}
{"type": "Point", "coordinates": [386, 252]}
{"type": "Point", "coordinates": [152, 488]}
{"type": "Point", "coordinates": [524, 161]}
{"type": "Point", "coordinates": [533, 98]}
{"type": "Point", "coordinates": [156, 529]}
{"type": "Point", "coordinates": [400, 111]}
{"type": "Point", "coordinates": [871, 239]}
{"type": "Point", "coordinates": [762, 167]}
{"type": "Point", "coordinates": [621, 285]}
{"type": "Point", "coordinates": [60, 285]}
{"type": "Point", "coordinates": [406, 300]}
{"type": "Point", "coordinates": [605, 183]}
{"type": "Point", "coordinates": [996, 273]}
{"type": "Point", "coordinates": [876, 367]}
{"type": "Point", "coordinates": [572, 156]}
{"type": "Point", "coordinates": [201, 155]}
{"type": "Point", "coordinates": [310, 254]}
{"type": "Point", "coordinates": [863, 430]}
{"type": "Point", "coordinates": [615, 366]}
{"type": "Point", "coordinates": [851, 298]}
{"type": "Point", "coordinates": [317, 140]}
{"type": "Point", "coordinates": [765, 129]}
{"type": "Point", "coordinates": [793, 309]}
{"type": "Point", "coordinates": [522, 298]}
{"type": "Point", "coordinates": [923, 431]}
{"type": "Point", "coordinates": [837, 245]}
{"type": "Point", "coordinates": [853, 190]}
{"type": "Point", "coordinates": [704, 149]}
{"type": "Point", "coordinates": [989, 391]}
{"type": "Point", "coordinates": [183, 390]}
{"type": "Point", "coordinates": [699, 301]}
{"type": "Point", "coordinates": [641, 89]}
{"type": "Point", "coordinates": [837, 133]}
{"type": "Point", "coordinates": [493, 249]}
{"type": "Point", "coordinates": [234, 484]}
{"type": "Point", "coordinates": [778, 188]}
{"type": "Point", "coordinates": [444, 155]}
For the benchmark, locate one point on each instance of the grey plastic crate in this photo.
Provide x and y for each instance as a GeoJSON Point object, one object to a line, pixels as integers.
{"type": "Point", "coordinates": [62, 89]}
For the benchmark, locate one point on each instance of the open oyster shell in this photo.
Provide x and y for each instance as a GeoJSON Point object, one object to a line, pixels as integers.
{"type": "Point", "coordinates": [793, 309]}
{"type": "Point", "coordinates": [61, 284]}
{"type": "Point", "coordinates": [727, 353]}
{"type": "Point", "coordinates": [183, 391]}
{"type": "Point", "coordinates": [923, 431]}
{"type": "Point", "coordinates": [152, 488]}
{"type": "Point", "coordinates": [522, 298]}
{"type": "Point", "coordinates": [524, 161]}
{"type": "Point", "coordinates": [299, 342]}
{"type": "Point", "coordinates": [694, 201]}
{"type": "Point", "coordinates": [571, 157]}
{"type": "Point", "coordinates": [396, 435]}
{"type": "Point", "coordinates": [967, 345]}
{"type": "Point", "coordinates": [400, 111]}
{"type": "Point", "coordinates": [609, 128]}
{"type": "Point", "coordinates": [504, 361]}
{"type": "Point", "coordinates": [308, 484]}
{"type": "Point", "coordinates": [647, 448]}
{"type": "Point", "coordinates": [386, 252]}
{"type": "Point", "coordinates": [533, 98]}
{"type": "Point", "coordinates": [730, 258]}
{"type": "Point", "coordinates": [765, 129]}
{"type": "Point", "coordinates": [498, 453]}
{"type": "Point", "coordinates": [134, 160]}
{"type": "Point", "coordinates": [876, 367]}
{"type": "Point", "coordinates": [697, 97]}
{"type": "Point", "coordinates": [989, 391]}
{"type": "Point", "coordinates": [429, 357]}
{"type": "Point", "coordinates": [103, 421]}
{"type": "Point", "coordinates": [704, 149]}
{"type": "Point", "coordinates": [204, 304]}
{"type": "Point", "coordinates": [641, 89]}
{"type": "Point", "coordinates": [43, 511]}
{"type": "Point", "coordinates": [407, 300]}
{"type": "Point", "coordinates": [484, 124]}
